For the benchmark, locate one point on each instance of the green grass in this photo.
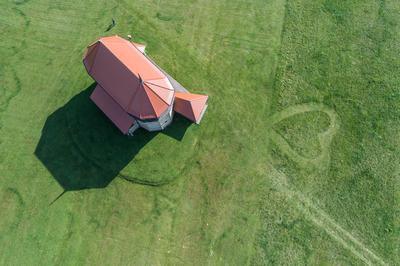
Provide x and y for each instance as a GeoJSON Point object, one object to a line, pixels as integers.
{"type": "Point", "coordinates": [296, 161]}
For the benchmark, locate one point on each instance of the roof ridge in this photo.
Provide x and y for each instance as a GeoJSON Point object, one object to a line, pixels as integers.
{"type": "Point", "coordinates": [186, 96]}
{"type": "Point", "coordinates": [151, 104]}
{"type": "Point", "coordinates": [140, 54]}
{"type": "Point", "coordinates": [141, 103]}
{"type": "Point", "coordinates": [133, 97]}
{"type": "Point", "coordinates": [94, 50]}
{"type": "Point", "coordinates": [116, 57]}
{"type": "Point", "coordinates": [192, 110]}
{"type": "Point", "coordinates": [158, 94]}
{"type": "Point", "coordinates": [157, 84]}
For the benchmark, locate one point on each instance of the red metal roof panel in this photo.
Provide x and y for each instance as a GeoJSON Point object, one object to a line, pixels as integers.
{"type": "Point", "coordinates": [190, 105]}
{"type": "Point", "coordinates": [111, 109]}
{"type": "Point", "coordinates": [122, 71]}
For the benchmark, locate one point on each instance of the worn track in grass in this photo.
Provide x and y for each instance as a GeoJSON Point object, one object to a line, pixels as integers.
{"type": "Point", "coordinates": [321, 219]}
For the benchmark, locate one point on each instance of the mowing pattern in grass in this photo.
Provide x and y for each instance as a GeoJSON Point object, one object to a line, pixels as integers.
{"type": "Point", "coordinates": [294, 163]}
{"type": "Point", "coordinates": [342, 54]}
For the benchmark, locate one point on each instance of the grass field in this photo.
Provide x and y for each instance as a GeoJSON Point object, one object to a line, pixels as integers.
{"type": "Point", "coordinates": [296, 162]}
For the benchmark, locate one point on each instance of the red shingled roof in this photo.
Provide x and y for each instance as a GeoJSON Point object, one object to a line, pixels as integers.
{"type": "Point", "coordinates": [129, 77]}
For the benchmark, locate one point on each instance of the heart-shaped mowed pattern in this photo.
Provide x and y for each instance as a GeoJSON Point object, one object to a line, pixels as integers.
{"type": "Point", "coordinates": [324, 138]}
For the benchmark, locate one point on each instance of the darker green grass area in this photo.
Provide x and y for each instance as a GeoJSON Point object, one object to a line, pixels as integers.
{"type": "Point", "coordinates": [82, 149]}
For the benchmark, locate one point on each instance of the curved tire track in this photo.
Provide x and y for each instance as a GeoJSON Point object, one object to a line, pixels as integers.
{"type": "Point", "coordinates": [11, 205]}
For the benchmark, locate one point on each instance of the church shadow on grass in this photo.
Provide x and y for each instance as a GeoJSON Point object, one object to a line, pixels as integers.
{"type": "Point", "coordinates": [82, 149]}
